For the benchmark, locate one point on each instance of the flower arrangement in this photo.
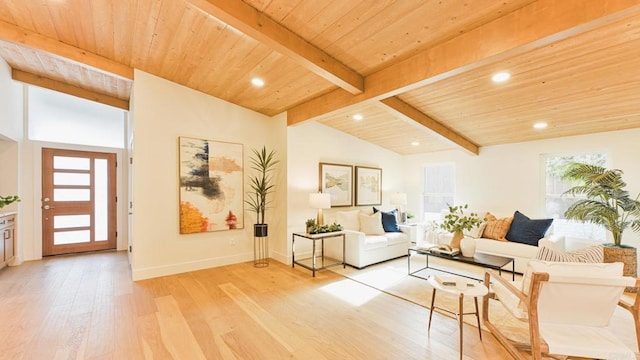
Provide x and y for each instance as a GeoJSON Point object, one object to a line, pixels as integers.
{"type": "Point", "coordinates": [456, 221]}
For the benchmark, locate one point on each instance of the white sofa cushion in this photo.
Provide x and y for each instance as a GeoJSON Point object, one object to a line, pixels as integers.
{"type": "Point", "coordinates": [348, 219]}
{"type": "Point", "coordinates": [506, 248]}
{"type": "Point", "coordinates": [396, 238]}
{"type": "Point", "coordinates": [375, 241]}
{"type": "Point", "coordinates": [371, 224]}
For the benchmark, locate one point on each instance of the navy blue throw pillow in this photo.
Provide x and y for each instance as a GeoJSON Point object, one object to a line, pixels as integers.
{"type": "Point", "coordinates": [527, 231]}
{"type": "Point", "coordinates": [389, 220]}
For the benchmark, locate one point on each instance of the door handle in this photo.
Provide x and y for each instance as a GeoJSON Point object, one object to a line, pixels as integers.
{"type": "Point", "coordinates": [47, 207]}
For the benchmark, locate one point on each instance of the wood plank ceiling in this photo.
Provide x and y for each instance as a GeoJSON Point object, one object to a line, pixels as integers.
{"type": "Point", "coordinates": [417, 70]}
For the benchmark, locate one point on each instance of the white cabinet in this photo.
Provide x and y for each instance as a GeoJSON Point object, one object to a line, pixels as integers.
{"type": "Point", "coordinates": [7, 245]}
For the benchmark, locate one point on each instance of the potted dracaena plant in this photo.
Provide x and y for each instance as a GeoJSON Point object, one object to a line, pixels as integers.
{"type": "Point", "coordinates": [456, 221]}
{"type": "Point", "coordinates": [263, 163]}
{"type": "Point", "coordinates": [607, 203]}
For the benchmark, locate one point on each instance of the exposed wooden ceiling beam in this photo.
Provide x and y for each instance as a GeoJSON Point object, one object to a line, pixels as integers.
{"type": "Point", "coordinates": [56, 85]}
{"type": "Point", "coordinates": [17, 35]}
{"type": "Point", "coordinates": [259, 26]}
{"type": "Point", "coordinates": [533, 26]}
{"type": "Point", "coordinates": [400, 108]}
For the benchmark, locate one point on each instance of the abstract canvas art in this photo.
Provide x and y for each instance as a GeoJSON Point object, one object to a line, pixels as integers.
{"type": "Point", "coordinates": [336, 179]}
{"type": "Point", "coordinates": [211, 185]}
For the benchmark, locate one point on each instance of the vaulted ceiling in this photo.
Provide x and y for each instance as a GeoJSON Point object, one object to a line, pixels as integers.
{"type": "Point", "coordinates": [416, 70]}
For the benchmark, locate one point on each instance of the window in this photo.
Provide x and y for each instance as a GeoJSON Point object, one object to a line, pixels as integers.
{"type": "Point", "coordinates": [439, 189]}
{"type": "Point", "coordinates": [61, 118]}
{"type": "Point", "coordinates": [556, 204]}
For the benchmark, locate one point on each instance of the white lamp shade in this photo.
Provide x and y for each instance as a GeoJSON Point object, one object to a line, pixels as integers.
{"type": "Point", "coordinates": [320, 201]}
{"type": "Point", "coordinates": [399, 199]}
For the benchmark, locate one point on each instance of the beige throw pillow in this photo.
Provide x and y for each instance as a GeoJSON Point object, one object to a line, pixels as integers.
{"type": "Point", "coordinates": [371, 224]}
{"type": "Point", "coordinates": [495, 228]}
{"type": "Point", "coordinates": [348, 219]}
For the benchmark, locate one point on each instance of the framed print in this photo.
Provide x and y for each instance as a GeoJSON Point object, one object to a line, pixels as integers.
{"type": "Point", "coordinates": [337, 180]}
{"type": "Point", "coordinates": [211, 185]}
{"type": "Point", "coordinates": [368, 186]}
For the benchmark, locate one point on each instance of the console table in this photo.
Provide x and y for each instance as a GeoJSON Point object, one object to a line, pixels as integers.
{"type": "Point", "coordinates": [314, 263]}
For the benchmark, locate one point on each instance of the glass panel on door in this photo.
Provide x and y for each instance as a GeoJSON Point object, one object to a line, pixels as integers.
{"type": "Point", "coordinates": [71, 237]}
{"type": "Point", "coordinates": [71, 163]}
{"type": "Point", "coordinates": [71, 221]}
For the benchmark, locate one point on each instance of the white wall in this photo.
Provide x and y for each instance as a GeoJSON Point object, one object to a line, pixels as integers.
{"type": "Point", "coordinates": [163, 111]}
{"type": "Point", "coordinates": [311, 143]}
{"type": "Point", "coordinates": [11, 134]}
{"type": "Point", "coordinates": [10, 105]}
{"type": "Point", "coordinates": [509, 177]}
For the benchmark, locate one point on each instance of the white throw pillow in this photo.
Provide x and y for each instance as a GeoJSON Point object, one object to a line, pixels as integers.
{"type": "Point", "coordinates": [348, 219]}
{"type": "Point", "coordinates": [476, 231]}
{"type": "Point", "coordinates": [371, 224]}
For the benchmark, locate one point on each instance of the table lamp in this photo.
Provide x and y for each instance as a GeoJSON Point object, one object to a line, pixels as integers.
{"type": "Point", "coordinates": [320, 201]}
{"type": "Point", "coordinates": [400, 199]}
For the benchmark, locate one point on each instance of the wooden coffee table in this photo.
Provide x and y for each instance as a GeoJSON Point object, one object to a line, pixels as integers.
{"type": "Point", "coordinates": [484, 260]}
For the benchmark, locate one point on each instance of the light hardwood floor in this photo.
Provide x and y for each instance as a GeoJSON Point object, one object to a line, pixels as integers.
{"type": "Point", "coordinates": [86, 307]}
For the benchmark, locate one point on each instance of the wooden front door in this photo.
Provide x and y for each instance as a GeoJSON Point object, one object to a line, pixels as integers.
{"type": "Point", "coordinates": [78, 201]}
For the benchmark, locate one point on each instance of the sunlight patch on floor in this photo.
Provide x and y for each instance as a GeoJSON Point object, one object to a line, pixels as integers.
{"type": "Point", "coordinates": [382, 278]}
{"type": "Point", "coordinates": [354, 294]}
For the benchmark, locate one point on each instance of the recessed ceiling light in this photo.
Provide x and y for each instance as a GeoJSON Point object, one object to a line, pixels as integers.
{"type": "Point", "coordinates": [357, 117]}
{"type": "Point", "coordinates": [540, 125]}
{"type": "Point", "coordinates": [415, 143]}
{"type": "Point", "coordinates": [500, 77]}
{"type": "Point", "coordinates": [257, 82]}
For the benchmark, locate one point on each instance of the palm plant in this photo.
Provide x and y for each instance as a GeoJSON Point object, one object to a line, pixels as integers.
{"type": "Point", "coordinates": [263, 163]}
{"type": "Point", "coordinates": [607, 203]}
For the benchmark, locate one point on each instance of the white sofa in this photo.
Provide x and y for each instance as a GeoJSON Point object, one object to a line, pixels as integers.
{"type": "Point", "coordinates": [363, 245]}
{"type": "Point", "coordinates": [521, 253]}
{"type": "Point", "coordinates": [362, 250]}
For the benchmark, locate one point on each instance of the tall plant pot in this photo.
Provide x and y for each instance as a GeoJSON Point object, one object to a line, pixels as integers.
{"type": "Point", "coordinates": [260, 230]}
{"type": "Point", "coordinates": [624, 254]}
{"type": "Point", "coordinates": [260, 245]}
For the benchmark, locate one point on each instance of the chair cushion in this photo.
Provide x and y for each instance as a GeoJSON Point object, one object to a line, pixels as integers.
{"type": "Point", "coordinates": [596, 270]}
{"type": "Point", "coordinates": [588, 342]}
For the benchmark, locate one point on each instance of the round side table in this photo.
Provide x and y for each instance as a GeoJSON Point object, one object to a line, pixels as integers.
{"type": "Point", "coordinates": [448, 285]}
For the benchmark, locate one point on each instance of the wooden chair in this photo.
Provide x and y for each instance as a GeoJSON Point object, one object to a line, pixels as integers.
{"type": "Point", "coordinates": [567, 307]}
